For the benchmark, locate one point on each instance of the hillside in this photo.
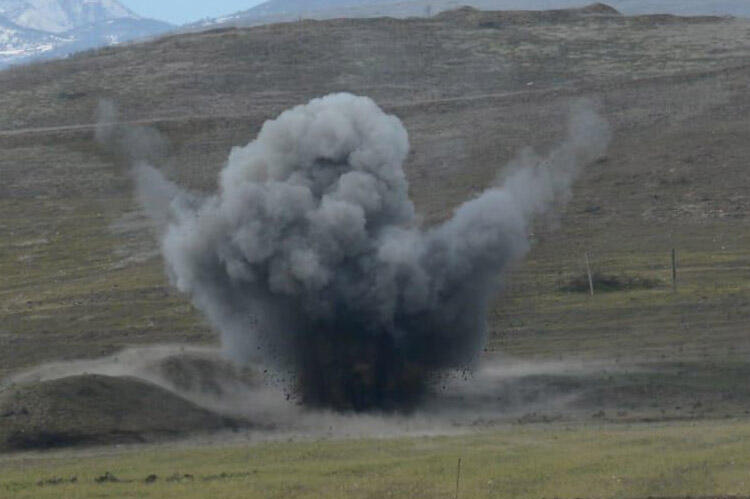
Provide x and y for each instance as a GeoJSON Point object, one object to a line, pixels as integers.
{"type": "Point", "coordinates": [81, 272]}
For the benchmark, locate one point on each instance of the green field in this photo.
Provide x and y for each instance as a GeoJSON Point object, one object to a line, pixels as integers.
{"type": "Point", "coordinates": [709, 458]}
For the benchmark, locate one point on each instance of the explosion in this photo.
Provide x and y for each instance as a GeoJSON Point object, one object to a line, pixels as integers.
{"type": "Point", "coordinates": [310, 257]}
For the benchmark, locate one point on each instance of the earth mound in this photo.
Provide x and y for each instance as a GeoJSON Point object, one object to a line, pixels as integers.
{"type": "Point", "coordinates": [96, 409]}
{"type": "Point", "coordinates": [202, 374]}
{"type": "Point", "coordinates": [469, 16]}
{"type": "Point", "coordinates": [667, 19]}
{"type": "Point", "coordinates": [599, 8]}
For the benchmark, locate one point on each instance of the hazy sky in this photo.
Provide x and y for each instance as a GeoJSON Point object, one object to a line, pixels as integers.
{"type": "Point", "coordinates": [182, 11]}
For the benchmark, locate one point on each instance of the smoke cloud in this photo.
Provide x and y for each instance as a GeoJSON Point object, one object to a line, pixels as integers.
{"type": "Point", "coordinates": [310, 258]}
{"type": "Point", "coordinates": [133, 144]}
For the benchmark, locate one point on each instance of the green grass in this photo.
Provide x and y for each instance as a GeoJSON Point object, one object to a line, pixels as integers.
{"type": "Point", "coordinates": [536, 318]}
{"type": "Point", "coordinates": [697, 459]}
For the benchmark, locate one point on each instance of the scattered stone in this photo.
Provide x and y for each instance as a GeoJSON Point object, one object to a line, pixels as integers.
{"type": "Point", "coordinates": [56, 481]}
{"type": "Point", "coordinates": [107, 478]}
{"type": "Point", "coordinates": [180, 478]}
{"type": "Point", "coordinates": [226, 476]}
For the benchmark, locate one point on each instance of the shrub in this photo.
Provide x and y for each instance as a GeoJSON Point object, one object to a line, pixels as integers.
{"type": "Point", "coordinates": [608, 283]}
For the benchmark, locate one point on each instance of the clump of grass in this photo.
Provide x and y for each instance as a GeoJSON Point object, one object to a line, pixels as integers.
{"type": "Point", "coordinates": [608, 283]}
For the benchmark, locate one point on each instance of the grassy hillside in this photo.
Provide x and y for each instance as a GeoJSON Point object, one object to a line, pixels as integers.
{"type": "Point", "coordinates": [81, 276]}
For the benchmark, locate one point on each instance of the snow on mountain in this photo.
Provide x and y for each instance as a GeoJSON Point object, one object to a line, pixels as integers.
{"type": "Point", "coordinates": [17, 42]}
{"type": "Point", "coordinates": [58, 16]}
{"type": "Point", "coordinates": [41, 29]}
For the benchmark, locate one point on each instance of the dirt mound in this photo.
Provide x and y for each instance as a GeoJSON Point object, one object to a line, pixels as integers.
{"type": "Point", "coordinates": [95, 409]}
{"type": "Point", "coordinates": [599, 8]}
{"type": "Point", "coordinates": [489, 19]}
{"type": "Point", "coordinates": [475, 18]}
{"type": "Point", "coordinates": [202, 373]}
{"type": "Point", "coordinates": [188, 371]}
{"type": "Point", "coordinates": [667, 19]}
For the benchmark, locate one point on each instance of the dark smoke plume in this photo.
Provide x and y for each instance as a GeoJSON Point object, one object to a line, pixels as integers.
{"type": "Point", "coordinates": [310, 257]}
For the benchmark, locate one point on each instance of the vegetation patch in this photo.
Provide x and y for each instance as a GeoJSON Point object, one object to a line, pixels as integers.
{"type": "Point", "coordinates": [609, 282]}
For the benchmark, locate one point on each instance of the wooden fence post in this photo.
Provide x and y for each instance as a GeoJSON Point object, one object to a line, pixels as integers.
{"type": "Point", "coordinates": [588, 271]}
{"type": "Point", "coordinates": [458, 477]}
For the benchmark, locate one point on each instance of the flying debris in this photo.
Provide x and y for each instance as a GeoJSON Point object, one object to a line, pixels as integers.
{"type": "Point", "coordinates": [310, 257]}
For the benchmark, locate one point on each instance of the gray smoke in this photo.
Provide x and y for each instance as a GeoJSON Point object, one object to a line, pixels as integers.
{"type": "Point", "coordinates": [310, 258]}
{"type": "Point", "coordinates": [134, 144]}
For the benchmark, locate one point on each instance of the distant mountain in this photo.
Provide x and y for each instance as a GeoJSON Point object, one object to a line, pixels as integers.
{"type": "Point", "coordinates": [18, 43]}
{"type": "Point", "coordinates": [41, 29]}
{"type": "Point", "coordinates": [58, 16]}
{"type": "Point", "coordinates": [290, 10]}
{"type": "Point", "coordinates": [105, 33]}
{"type": "Point", "coordinates": [296, 7]}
